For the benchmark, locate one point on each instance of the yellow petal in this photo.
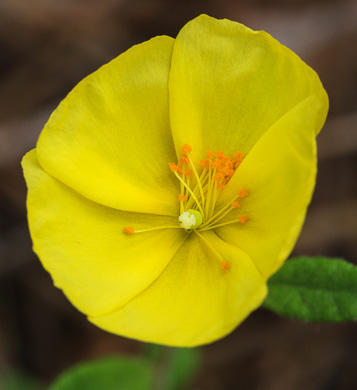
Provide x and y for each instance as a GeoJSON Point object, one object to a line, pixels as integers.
{"type": "Point", "coordinates": [229, 84]}
{"type": "Point", "coordinates": [82, 244]}
{"type": "Point", "coordinates": [279, 175]}
{"type": "Point", "coordinates": [110, 138]}
{"type": "Point", "coordinates": [194, 301]}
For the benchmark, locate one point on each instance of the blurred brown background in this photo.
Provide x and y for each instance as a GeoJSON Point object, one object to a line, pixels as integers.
{"type": "Point", "coordinates": [46, 47]}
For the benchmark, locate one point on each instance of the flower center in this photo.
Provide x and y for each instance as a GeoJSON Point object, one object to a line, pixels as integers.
{"type": "Point", "coordinates": [199, 193]}
{"type": "Point", "coordinates": [190, 219]}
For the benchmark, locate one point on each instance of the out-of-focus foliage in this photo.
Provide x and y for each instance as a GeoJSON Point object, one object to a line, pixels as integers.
{"type": "Point", "coordinates": [163, 368]}
{"type": "Point", "coordinates": [114, 373]}
{"type": "Point", "coordinates": [176, 367]}
{"type": "Point", "coordinates": [18, 381]}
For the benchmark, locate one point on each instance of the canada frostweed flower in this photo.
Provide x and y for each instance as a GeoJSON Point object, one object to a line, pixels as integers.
{"type": "Point", "coordinates": [171, 183]}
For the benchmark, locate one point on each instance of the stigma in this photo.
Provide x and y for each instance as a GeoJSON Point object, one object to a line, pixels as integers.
{"type": "Point", "coordinates": [190, 219]}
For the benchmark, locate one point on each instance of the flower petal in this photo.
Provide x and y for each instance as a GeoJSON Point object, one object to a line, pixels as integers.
{"type": "Point", "coordinates": [279, 175]}
{"type": "Point", "coordinates": [194, 301]}
{"type": "Point", "coordinates": [82, 244]}
{"type": "Point", "coordinates": [229, 84]}
{"type": "Point", "coordinates": [110, 138]}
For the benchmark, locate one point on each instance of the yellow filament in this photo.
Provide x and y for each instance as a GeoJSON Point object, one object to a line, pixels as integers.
{"type": "Point", "coordinates": [202, 180]}
{"type": "Point", "coordinates": [197, 178]}
{"type": "Point", "coordinates": [210, 183]}
{"type": "Point", "coordinates": [210, 246]}
{"type": "Point", "coordinates": [157, 228]}
{"type": "Point", "coordinates": [221, 224]}
{"type": "Point", "coordinates": [192, 194]}
{"type": "Point", "coordinates": [220, 211]}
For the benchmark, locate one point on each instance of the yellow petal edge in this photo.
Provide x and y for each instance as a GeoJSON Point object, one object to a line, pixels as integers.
{"type": "Point", "coordinates": [81, 243]}
{"type": "Point", "coordinates": [229, 84]}
{"type": "Point", "coordinates": [110, 138]}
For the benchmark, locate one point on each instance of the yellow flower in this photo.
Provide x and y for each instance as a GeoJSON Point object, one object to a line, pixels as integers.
{"type": "Point", "coordinates": [177, 254]}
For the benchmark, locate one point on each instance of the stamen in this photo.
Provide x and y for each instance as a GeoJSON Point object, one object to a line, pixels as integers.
{"type": "Point", "coordinates": [198, 180]}
{"type": "Point", "coordinates": [242, 193]}
{"type": "Point", "coordinates": [199, 190]}
{"type": "Point", "coordinates": [173, 167]}
{"type": "Point", "coordinates": [209, 154]}
{"type": "Point", "coordinates": [202, 180]}
{"type": "Point", "coordinates": [237, 158]}
{"type": "Point", "coordinates": [204, 164]}
{"type": "Point", "coordinates": [241, 219]}
{"type": "Point", "coordinates": [190, 191]}
{"type": "Point", "coordinates": [189, 173]}
{"type": "Point", "coordinates": [129, 230]}
{"type": "Point", "coordinates": [186, 149]}
{"type": "Point", "coordinates": [184, 159]}
{"type": "Point", "coordinates": [224, 265]}
{"type": "Point", "coordinates": [209, 190]}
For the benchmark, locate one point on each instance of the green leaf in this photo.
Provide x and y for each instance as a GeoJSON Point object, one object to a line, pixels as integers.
{"type": "Point", "coordinates": [182, 367]}
{"type": "Point", "coordinates": [115, 373]}
{"type": "Point", "coordinates": [314, 289]}
{"type": "Point", "coordinates": [174, 367]}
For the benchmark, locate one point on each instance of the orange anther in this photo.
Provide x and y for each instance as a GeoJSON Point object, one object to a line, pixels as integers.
{"type": "Point", "coordinates": [238, 157]}
{"type": "Point", "coordinates": [173, 167]}
{"type": "Point", "coordinates": [242, 193]}
{"type": "Point", "coordinates": [221, 186]}
{"type": "Point", "coordinates": [229, 173]}
{"type": "Point", "coordinates": [218, 177]}
{"type": "Point", "coordinates": [209, 154]}
{"type": "Point", "coordinates": [235, 205]}
{"type": "Point", "coordinates": [182, 197]}
{"type": "Point", "coordinates": [184, 160]}
{"type": "Point", "coordinates": [215, 163]}
{"type": "Point", "coordinates": [186, 149]}
{"type": "Point", "coordinates": [242, 219]}
{"type": "Point", "coordinates": [204, 164]}
{"type": "Point", "coordinates": [129, 230]}
{"type": "Point", "coordinates": [179, 168]}
{"type": "Point", "coordinates": [219, 154]}
{"type": "Point", "coordinates": [189, 173]}
{"type": "Point", "coordinates": [225, 265]}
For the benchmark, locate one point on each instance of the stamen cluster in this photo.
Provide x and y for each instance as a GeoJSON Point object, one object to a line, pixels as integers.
{"type": "Point", "coordinates": [223, 166]}
{"type": "Point", "coordinates": [199, 193]}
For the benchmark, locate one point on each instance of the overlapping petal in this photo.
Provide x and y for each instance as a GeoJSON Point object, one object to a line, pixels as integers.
{"type": "Point", "coordinates": [110, 138]}
{"type": "Point", "coordinates": [229, 85]}
{"type": "Point", "coordinates": [82, 244]}
{"type": "Point", "coordinates": [279, 175]}
{"type": "Point", "coordinates": [192, 302]}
